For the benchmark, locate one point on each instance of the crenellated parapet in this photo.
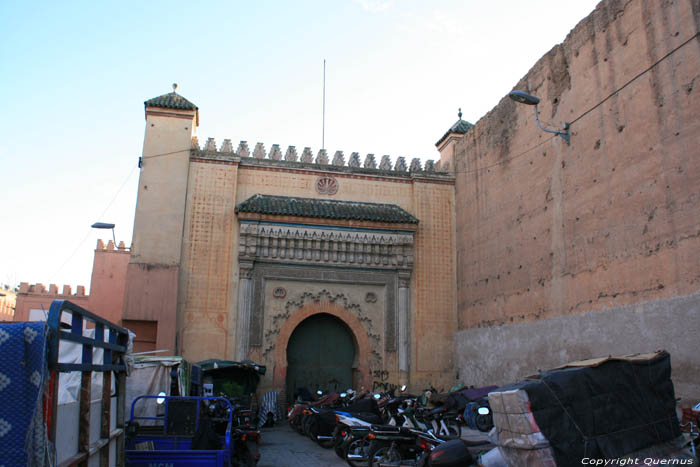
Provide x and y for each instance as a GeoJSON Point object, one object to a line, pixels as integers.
{"type": "Point", "coordinates": [102, 247]}
{"type": "Point", "coordinates": [397, 166]}
{"type": "Point", "coordinates": [40, 289]}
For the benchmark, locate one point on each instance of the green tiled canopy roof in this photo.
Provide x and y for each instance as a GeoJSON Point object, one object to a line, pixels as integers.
{"type": "Point", "coordinates": [172, 100]}
{"type": "Point", "coordinates": [325, 209]}
{"type": "Point", "coordinates": [460, 127]}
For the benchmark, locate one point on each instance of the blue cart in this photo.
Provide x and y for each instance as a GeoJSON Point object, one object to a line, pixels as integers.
{"type": "Point", "coordinates": [166, 439]}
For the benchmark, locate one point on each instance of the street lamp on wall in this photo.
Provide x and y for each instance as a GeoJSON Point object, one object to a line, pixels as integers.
{"type": "Point", "coordinates": [104, 225]}
{"type": "Point", "coordinates": [525, 98]}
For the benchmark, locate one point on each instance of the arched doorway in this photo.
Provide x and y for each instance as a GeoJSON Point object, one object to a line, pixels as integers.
{"type": "Point", "coordinates": [320, 355]}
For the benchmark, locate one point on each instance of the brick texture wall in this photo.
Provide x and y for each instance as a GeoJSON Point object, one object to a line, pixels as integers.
{"type": "Point", "coordinates": [209, 279]}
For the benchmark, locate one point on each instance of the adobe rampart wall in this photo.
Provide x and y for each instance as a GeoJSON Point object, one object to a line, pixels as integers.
{"type": "Point", "coordinates": [570, 252]}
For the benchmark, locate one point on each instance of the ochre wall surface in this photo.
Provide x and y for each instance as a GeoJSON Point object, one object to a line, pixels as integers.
{"type": "Point", "coordinates": [160, 206]}
{"type": "Point", "coordinates": [549, 231]}
{"type": "Point", "coordinates": [152, 280]}
{"type": "Point", "coordinates": [8, 302]}
{"type": "Point", "coordinates": [209, 263]}
{"type": "Point", "coordinates": [433, 286]}
{"type": "Point", "coordinates": [210, 270]}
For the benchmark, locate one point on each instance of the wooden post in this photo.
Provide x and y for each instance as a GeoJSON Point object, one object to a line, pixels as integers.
{"type": "Point", "coordinates": [106, 416]}
{"type": "Point", "coordinates": [84, 420]}
{"type": "Point", "coordinates": [121, 404]}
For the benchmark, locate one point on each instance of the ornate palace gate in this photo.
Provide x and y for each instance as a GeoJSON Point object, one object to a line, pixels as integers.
{"type": "Point", "coordinates": [320, 355]}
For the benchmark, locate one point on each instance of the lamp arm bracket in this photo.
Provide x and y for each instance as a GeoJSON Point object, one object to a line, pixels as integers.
{"type": "Point", "coordinates": [566, 135]}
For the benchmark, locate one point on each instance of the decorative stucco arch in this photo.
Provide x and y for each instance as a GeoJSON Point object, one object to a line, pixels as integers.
{"type": "Point", "coordinates": [359, 335]}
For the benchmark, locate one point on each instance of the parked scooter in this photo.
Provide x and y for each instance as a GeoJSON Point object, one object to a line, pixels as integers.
{"type": "Point", "coordinates": [245, 437]}
{"type": "Point", "coordinates": [356, 446]}
{"type": "Point", "coordinates": [477, 415]}
{"type": "Point", "coordinates": [442, 422]}
{"type": "Point", "coordinates": [296, 415]}
{"type": "Point", "coordinates": [246, 446]}
{"type": "Point", "coordinates": [352, 425]}
{"type": "Point", "coordinates": [454, 453]}
{"type": "Point", "coordinates": [393, 445]}
{"type": "Point", "coordinates": [409, 448]}
{"type": "Point", "coordinates": [325, 422]}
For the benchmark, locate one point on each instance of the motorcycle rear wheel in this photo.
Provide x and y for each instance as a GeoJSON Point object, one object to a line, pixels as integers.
{"type": "Point", "coordinates": [306, 426]}
{"type": "Point", "coordinates": [251, 461]}
{"type": "Point", "coordinates": [357, 446]}
{"type": "Point", "coordinates": [484, 422]}
{"type": "Point", "coordinates": [454, 430]}
{"type": "Point", "coordinates": [338, 448]}
{"type": "Point", "coordinates": [383, 455]}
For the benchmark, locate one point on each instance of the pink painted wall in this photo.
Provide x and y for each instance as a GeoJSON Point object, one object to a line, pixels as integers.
{"type": "Point", "coordinates": [151, 295]}
{"type": "Point", "coordinates": [108, 282]}
{"type": "Point", "coordinates": [39, 298]}
{"type": "Point", "coordinates": [107, 286]}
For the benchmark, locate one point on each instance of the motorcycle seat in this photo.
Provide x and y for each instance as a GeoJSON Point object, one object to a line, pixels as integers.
{"type": "Point", "coordinates": [437, 410]}
{"type": "Point", "coordinates": [385, 429]}
{"type": "Point", "coordinates": [369, 417]}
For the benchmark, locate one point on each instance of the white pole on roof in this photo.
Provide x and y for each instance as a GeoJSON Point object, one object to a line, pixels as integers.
{"type": "Point", "coordinates": [150, 352]}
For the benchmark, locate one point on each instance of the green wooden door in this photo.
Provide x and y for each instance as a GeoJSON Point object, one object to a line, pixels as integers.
{"type": "Point", "coordinates": [320, 355]}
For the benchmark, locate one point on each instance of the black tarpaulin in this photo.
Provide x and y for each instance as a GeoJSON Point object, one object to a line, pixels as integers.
{"type": "Point", "coordinates": [604, 411]}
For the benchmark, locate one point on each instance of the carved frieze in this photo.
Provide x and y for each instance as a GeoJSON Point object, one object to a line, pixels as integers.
{"type": "Point", "coordinates": [386, 280]}
{"type": "Point", "coordinates": [324, 295]}
{"type": "Point", "coordinates": [290, 244]}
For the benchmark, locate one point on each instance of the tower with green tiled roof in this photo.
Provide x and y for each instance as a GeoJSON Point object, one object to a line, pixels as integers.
{"type": "Point", "coordinates": [171, 121]}
{"type": "Point", "coordinates": [446, 144]}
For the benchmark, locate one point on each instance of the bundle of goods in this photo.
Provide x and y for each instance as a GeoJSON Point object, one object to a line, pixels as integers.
{"type": "Point", "coordinates": [609, 408]}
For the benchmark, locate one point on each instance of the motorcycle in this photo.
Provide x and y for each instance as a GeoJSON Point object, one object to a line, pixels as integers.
{"type": "Point", "coordinates": [326, 422]}
{"type": "Point", "coordinates": [409, 447]}
{"type": "Point", "coordinates": [453, 453]}
{"type": "Point", "coordinates": [298, 412]}
{"type": "Point", "coordinates": [246, 446]}
{"type": "Point", "coordinates": [477, 415]}
{"type": "Point", "coordinates": [393, 445]}
{"type": "Point", "coordinates": [356, 446]}
{"type": "Point", "coordinates": [244, 436]}
{"type": "Point", "coordinates": [352, 425]}
{"type": "Point", "coordinates": [442, 422]}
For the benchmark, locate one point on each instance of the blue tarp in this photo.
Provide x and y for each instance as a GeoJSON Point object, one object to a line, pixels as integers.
{"type": "Point", "coordinates": [23, 374]}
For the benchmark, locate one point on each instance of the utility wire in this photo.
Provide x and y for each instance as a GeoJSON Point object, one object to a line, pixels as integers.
{"type": "Point", "coordinates": [640, 74]}
{"type": "Point", "coordinates": [637, 76]}
{"type": "Point", "coordinates": [164, 154]}
{"type": "Point", "coordinates": [495, 164]}
{"type": "Point", "coordinates": [88, 234]}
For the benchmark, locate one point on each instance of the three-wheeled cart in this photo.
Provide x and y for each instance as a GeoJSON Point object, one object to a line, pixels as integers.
{"type": "Point", "coordinates": [170, 437]}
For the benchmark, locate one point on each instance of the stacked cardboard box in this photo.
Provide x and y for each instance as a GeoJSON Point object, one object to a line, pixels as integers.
{"type": "Point", "coordinates": [515, 432]}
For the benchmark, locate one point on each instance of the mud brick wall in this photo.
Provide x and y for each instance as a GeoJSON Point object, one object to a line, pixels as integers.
{"type": "Point", "coordinates": [607, 228]}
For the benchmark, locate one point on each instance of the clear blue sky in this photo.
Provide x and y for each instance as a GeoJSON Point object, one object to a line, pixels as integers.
{"type": "Point", "coordinates": [74, 75]}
